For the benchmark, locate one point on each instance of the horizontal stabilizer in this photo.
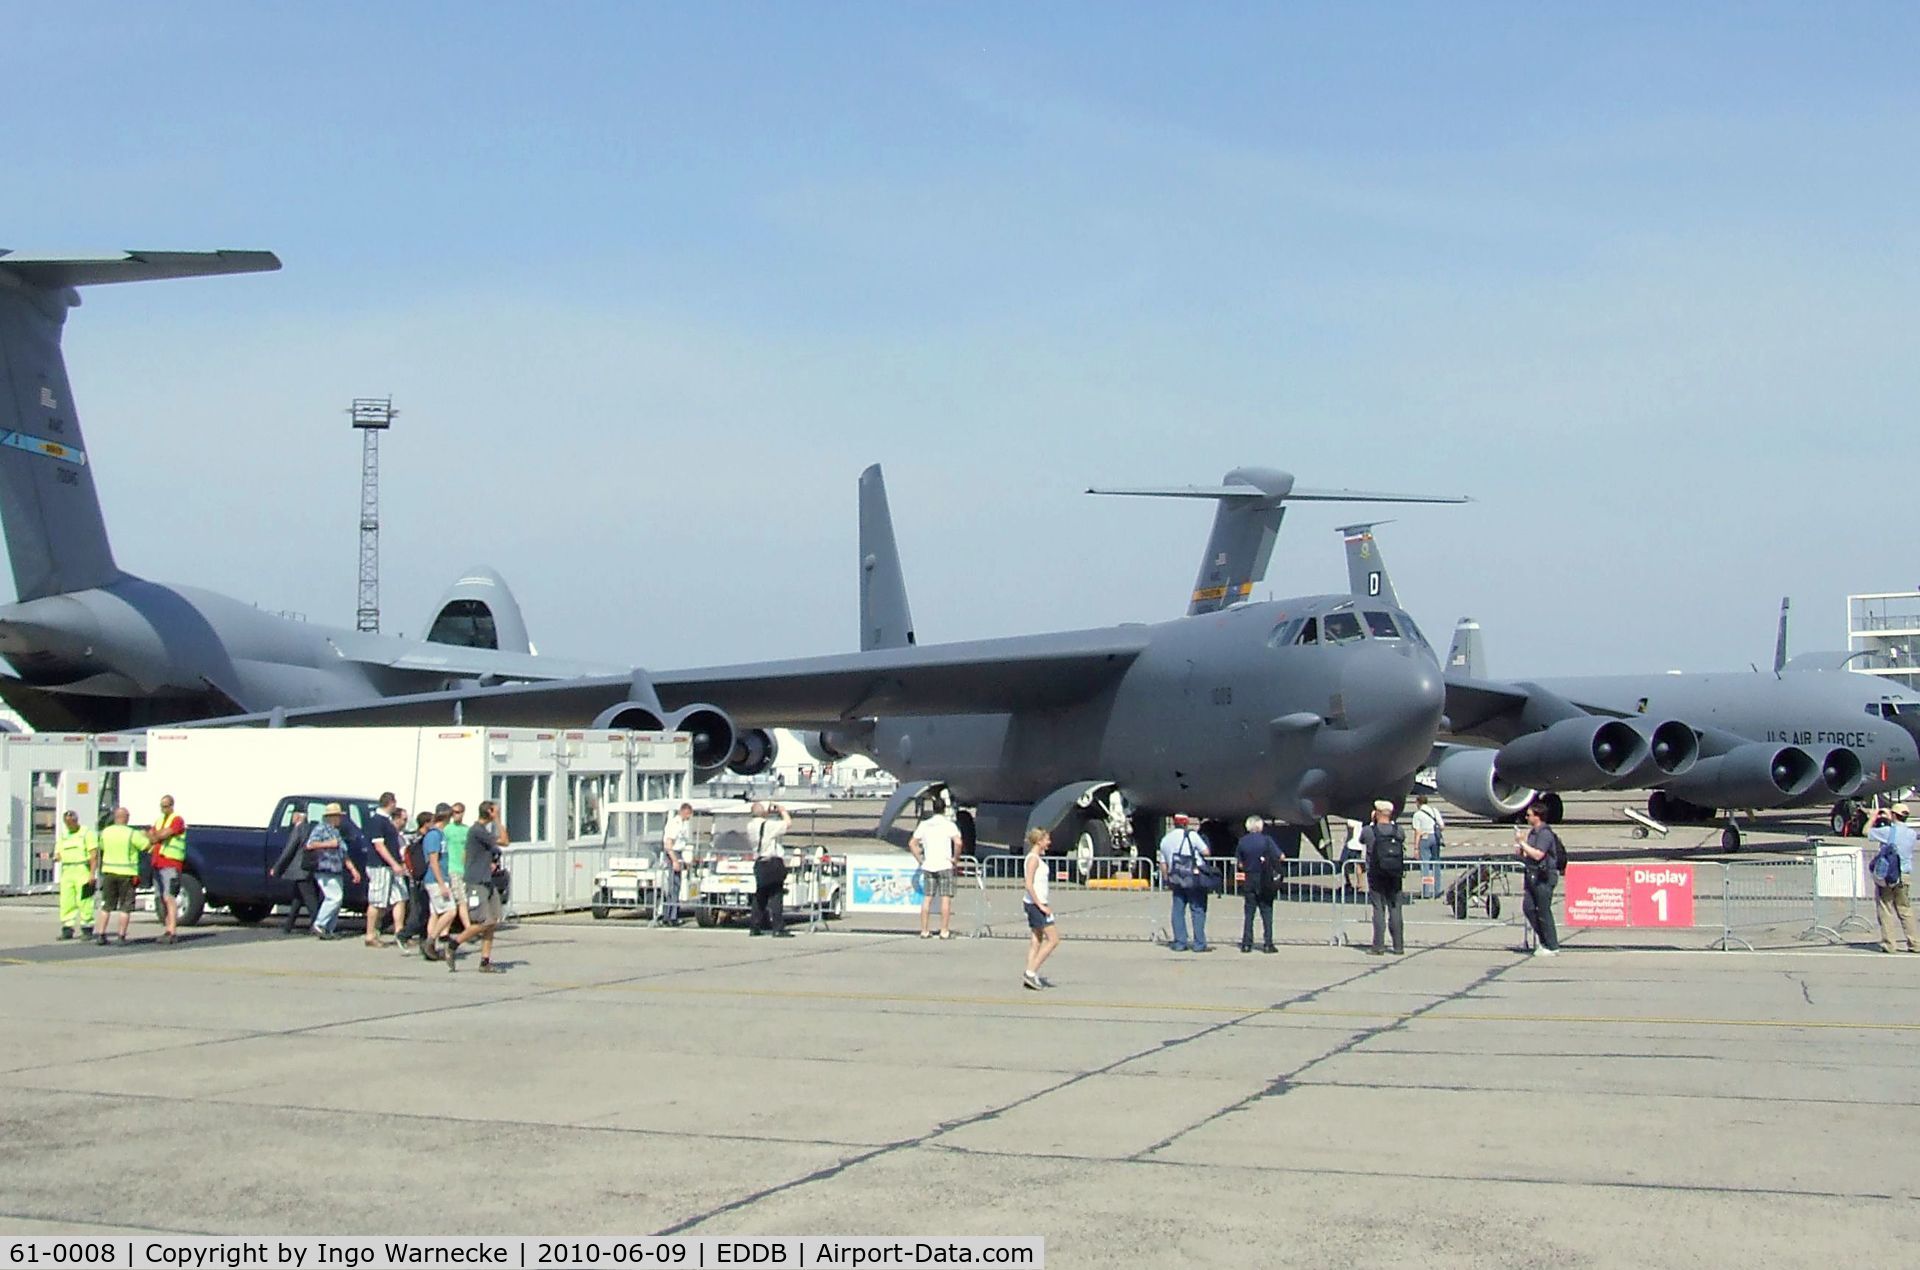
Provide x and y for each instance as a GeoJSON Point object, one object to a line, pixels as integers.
{"type": "Point", "coordinates": [47, 270]}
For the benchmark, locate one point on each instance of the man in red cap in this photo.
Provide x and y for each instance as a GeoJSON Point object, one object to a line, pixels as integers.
{"type": "Point", "coordinates": [1181, 852]}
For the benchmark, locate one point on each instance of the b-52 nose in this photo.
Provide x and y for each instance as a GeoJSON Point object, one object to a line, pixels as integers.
{"type": "Point", "coordinates": [1394, 698]}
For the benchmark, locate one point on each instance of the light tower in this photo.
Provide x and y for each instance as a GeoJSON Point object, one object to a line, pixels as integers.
{"type": "Point", "coordinates": [371, 417]}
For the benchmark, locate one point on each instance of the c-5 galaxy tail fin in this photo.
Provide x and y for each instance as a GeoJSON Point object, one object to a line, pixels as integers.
{"type": "Point", "coordinates": [1466, 656]}
{"type": "Point", "coordinates": [56, 537]}
{"type": "Point", "coordinates": [1366, 570]}
{"type": "Point", "coordinates": [885, 620]}
{"type": "Point", "coordinates": [1252, 504]}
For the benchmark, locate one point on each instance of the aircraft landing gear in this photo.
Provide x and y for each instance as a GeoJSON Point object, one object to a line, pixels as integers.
{"type": "Point", "coordinates": [1730, 836]}
{"type": "Point", "coordinates": [1848, 819]}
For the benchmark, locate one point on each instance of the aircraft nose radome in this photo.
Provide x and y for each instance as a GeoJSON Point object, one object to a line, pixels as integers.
{"type": "Point", "coordinates": [1396, 701]}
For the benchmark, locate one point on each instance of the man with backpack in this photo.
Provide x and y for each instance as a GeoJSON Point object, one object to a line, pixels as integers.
{"type": "Point", "coordinates": [1386, 847]}
{"type": "Point", "coordinates": [1540, 848]}
{"type": "Point", "coordinates": [1892, 866]}
{"type": "Point", "coordinates": [1262, 865]}
{"type": "Point", "coordinates": [1187, 875]}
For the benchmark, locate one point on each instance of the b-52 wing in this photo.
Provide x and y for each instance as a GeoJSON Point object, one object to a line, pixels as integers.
{"type": "Point", "coordinates": [979, 677]}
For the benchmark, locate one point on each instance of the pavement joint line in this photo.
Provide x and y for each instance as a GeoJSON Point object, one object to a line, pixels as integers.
{"type": "Point", "coordinates": [993, 1113]}
{"type": "Point", "coordinates": [544, 1126]}
{"type": "Point", "coordinates": [636, 984]}
{"type": "Point", "coordinates": [1404, 1175]}
{"type": "Point", "coordinates": [1281, 1084]}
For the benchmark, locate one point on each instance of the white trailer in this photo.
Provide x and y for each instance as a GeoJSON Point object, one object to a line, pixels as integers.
{"type": "Point", "coordinates": [48, 774]}
{"type": "Point", "coordinates": [552, 785]}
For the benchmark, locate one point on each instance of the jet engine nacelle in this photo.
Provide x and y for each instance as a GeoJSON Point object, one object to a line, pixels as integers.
{"type": "Point", "coordinates": [1751, 775]}
{"type": "Point", "coordinates": [754, 751]}
{"type": "Point", "coordinates": [820, 749]}
{"type": "Point", "coordinates": [1841, 775]}
{"type": "Point", "coordinates": [713, 734]}
{"type": "Point", "coordinates": [1581, 753]}
{"type": "Point", "coordinates": [631, 716]}
{"type": "Point", "coordinates": [1468, 779]}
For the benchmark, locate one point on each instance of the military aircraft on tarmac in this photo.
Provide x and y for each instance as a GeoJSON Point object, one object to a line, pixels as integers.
{"type": "Point", "coordinates": [1297, 708]}
{"type": "Point", "coordinates": [95, 648]}
{"type": "Point", "coordinates": [1797, 736]}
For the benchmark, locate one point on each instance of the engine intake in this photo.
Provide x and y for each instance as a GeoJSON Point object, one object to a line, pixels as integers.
{"type": "Point", "coordinates": [1751, 775]}
{"type": "Point", "coordinates": [713, 733]}
{"type": "Point", "coordinates": [1582, 753]}
{"type": "Point", "coordinates": [1469, 780]}
{"type": "Point", "coordinates": [1842, 773]}
{"type": "Point", "coordinates": [754, 751]}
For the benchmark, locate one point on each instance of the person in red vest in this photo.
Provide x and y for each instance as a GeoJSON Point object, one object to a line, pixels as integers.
{"type": "Point", "coordinates": [167, 840]}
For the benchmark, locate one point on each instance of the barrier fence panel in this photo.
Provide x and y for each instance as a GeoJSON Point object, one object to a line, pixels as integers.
{"type": "Point", "coordinates": [1760, 895]}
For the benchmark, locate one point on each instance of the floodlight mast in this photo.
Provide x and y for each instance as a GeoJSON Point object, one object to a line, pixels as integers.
{"type": "Point", "coordinates": [371, 416]}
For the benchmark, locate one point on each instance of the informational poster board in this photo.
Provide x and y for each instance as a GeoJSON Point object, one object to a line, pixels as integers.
{"type": "Point", "coordinates": [1629, 895]}
{"type": "Point", "coordinates": [883, 884]}
{"type": "Point", "coordinates": [1840, 872]}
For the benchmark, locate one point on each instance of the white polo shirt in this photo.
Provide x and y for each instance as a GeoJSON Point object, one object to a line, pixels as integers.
{"type": "Point", "coordinates": [765, 833]}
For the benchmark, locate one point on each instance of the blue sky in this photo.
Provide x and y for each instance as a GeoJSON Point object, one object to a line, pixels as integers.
{"type": "Point", "coordinates": [651, 284]}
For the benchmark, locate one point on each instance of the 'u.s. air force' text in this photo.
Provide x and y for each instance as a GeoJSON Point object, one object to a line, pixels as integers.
{"type": "Point", "coordinates": [1804, 736]}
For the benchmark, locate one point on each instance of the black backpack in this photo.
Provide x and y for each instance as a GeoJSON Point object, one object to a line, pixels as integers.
{"type": "Point", "coordinates": [1559, 855]}
{"type": "Point", "coordinates": [1389, 849]}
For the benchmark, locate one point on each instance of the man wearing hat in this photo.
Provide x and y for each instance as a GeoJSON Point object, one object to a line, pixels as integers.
{"type": "Point", "coordinates": [1386, 846]}
{"type": "Point", "coordinates": [1893, 903]}
{"type": "Point", "coordinates": [1181, 851]}
{"type": "Point", "coordinates": [328, 859]}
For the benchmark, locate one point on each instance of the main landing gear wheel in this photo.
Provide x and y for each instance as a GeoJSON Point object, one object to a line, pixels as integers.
{"type": "Point", "coordinates": [1730, 837]}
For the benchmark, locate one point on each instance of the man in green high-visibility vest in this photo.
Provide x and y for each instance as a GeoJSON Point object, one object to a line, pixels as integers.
{"type": "Point", "coordinates": [76, 848]}
{"type": "Point", "coordinates": [117, 861]}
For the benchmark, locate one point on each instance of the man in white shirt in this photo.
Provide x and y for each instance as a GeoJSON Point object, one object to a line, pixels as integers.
{"type": "Point", "coordinates": [936, 845]}
{"type": "Point", "coordinates": [769, 870]}
{"type": "Point", "coordinates": [1181, 851]}
{"type": "Point", "coordinates": [1427, 828]}
{"type": "Point", "coordinates": [676, 850]}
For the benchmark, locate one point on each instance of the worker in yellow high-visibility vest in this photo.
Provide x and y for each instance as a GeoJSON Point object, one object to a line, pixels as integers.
{"type": "Point", "coordinates": [76, 848]}
{"type": "Point", "coordinates": [116, 858]}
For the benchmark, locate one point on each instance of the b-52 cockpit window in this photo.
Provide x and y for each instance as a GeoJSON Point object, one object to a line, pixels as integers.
{"type": "Point", "coordinates": [1381, 625]}
{"type": "Point", "coordinates": [1342, 627]}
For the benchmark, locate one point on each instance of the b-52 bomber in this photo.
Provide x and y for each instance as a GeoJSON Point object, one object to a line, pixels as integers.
{"type": "Point", "coordinates": [1799, 736]}
{"type": "Point", "coordinates": [1297, 708]}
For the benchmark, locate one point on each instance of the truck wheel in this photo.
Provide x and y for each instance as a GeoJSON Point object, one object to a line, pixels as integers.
{"type": "Point", "coordinates": [250, 914]}
{"type": "Point", "coordinates": [705, 917]}
{"type": "Point", "coordinates": [192, 900]}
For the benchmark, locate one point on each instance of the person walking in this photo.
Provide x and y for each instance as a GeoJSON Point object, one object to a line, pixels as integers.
{"type": "Point", "coordinates": [418, 907]}
{"type": "Point", "coordinates": [768, 916]}
{"type": "Point", "coordinates": [328, 858]}
{"type": "Point", "coordinates": [1181, 852]}
{"type": "Point", "coordinates": [77, 886]}
{"type": "Point", "coordinates": [936, 845]}
{"type": "Point", "coordinates": [292, 867]}
{"type": "Point", "coordinates": [1892, 901]}
{"type": "Point", "coordinates": [1044, 936]}
{"type": "Point", "coordinates": [385, 872]}
{"type": "Point", "coordinates": [676, 850]}
{"type": "Point", "coordinates": [1428, 825]}
{"type": "Point", "coordinates": [482, 888]}
{"type": "Point", "coordinates": [1539, 848]}
{"type": "Point", "coordinates": [1262, 867]}
{"type": "Point", "coordinates": [1385, 844]}
{"type": "Point", "coordinates": [116, 859]}
{"type": "Point", "coordinates": [439, 884]}
{"type": "Point", "coordinates": [455, 832]}
{"type": "Point", "coordinates": [167, 840]}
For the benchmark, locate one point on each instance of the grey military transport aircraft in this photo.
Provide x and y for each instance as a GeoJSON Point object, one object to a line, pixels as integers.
{"type": "Point", "coordinates": [1800, 735]}
{"type": "Point", "coordinates": [95, 648]}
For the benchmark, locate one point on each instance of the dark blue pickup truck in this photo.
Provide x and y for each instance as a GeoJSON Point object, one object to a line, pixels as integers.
{"type": "Point", "coordinates": [227, 866]}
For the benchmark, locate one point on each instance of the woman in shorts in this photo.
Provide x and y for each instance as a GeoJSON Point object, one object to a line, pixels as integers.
{"type": "Point", "coordinates": [1039, 906]}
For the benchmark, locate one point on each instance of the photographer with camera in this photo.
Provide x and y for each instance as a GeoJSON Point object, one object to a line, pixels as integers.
{"type": "Point", "coordinates": [1892, 866]}
{"type": "Point", "coordinates": [769, 870]}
